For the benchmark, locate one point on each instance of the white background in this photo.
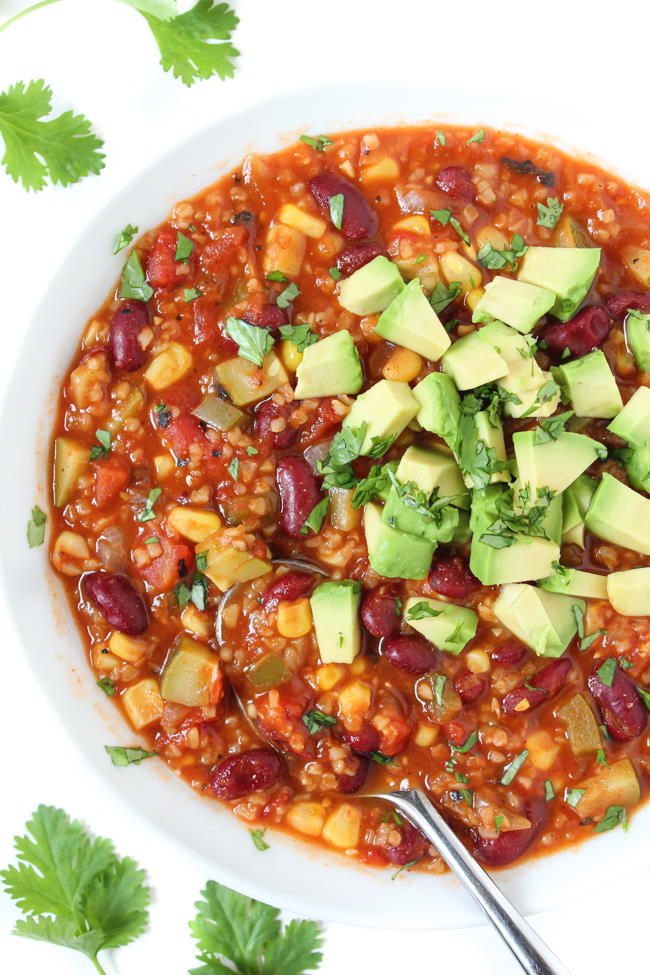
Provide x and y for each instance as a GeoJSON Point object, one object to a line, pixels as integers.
{"type": "Point", "coordinates": [100, 59]}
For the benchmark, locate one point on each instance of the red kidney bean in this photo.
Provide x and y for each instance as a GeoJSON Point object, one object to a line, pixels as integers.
{"type": "Point", "coordinates": [620, 705]}
{"type": "Point", "coordinates": [586, 331]}
{"type": "Point", "coordinates": [363, 741]}
{"type": "Point", "coordinates": [412, 654]}
{"type": "Point", "coordinates": [358, 255]}
{"type": "Point", "coordinates": [290, 586]}
{"type": "Point", "coordinates": [412, 845]}
{"type": "Point", "coordinates": [269, 316]}
{"type": "Point", "coordinates": [469, 686]}
{"type": "Point", "coordinates": [542, 686]}
{"type": "Point", "coordinates": [352, 783]}
{"type": "Point", "coordinates": [457, 183]}
{"type": "Point", "coordinates": [264, 415]}
{"type": "Point", "coordinates": [511, 843]}
{"type": "Point", "coordinates": [359, 219]}
{"type": "Point", "coordinates": [379, 612]}
{"type": "Point", "coordinates": [452, 578]}
{"type": "Point", "coordinates": [510, 653]}
{"type": "Point", "coordinates": [298, 491]}
{"type": "Point", "coordinates": [239, 775]}
{"type": "Point", "coordinates": [618, 304]}
{"type": "Point", "coordinates": [128, 321]}
{"type": "Point", "coordinates": [118, 602]}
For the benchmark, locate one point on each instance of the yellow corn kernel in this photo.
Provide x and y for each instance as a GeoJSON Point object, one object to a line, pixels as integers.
{"type": "Point", "coordinates": [294, 618]}
{"type": "Point", "coordinates": [285, 250]}
{"type": "Point", "coordinates": [473, 297]}
{"type": "Point", "coordinates": [403, 365]}
{"type": "Point", "coordinates": [384, 170]}
{"type": "Point", "coordinates": [477, 661]}
{"type": "Point", "coordinates": [491, 235]}
{"type": "Point", "coordinates": [193, 523]}
{"type": "Point", "coordinates": [126, 648]}
{"type": "Point", "coordinates": [196, 621]}
{"type": "Point", "coordinates": [164, 465]}
{"type": "Point", "coordinates": [69, 553]}
{"type": "Point", "coordinates": [343, 827]}
{"type": "Point", "coordinates": [169, 366]}
{"type": "Point", "coordinates": [347, 169]}
{"type": "Point", "coordinates": [425, 735]}
{"type": "Point", "coordinates": [306, 223]}
{"type": "Point", "coordinates": [416, 224]}
{"type": "Point", "coordinates": [455, 267]}
{"type": "Point", "coordinates": [307, 818]}
{"type": "Point", "coordinates": [542, 750]}
{"type": "Point", "coordinates": [103, 660]}
{"type": "Point", "coordinates": [358, 666]}
{"type": "Point", "coordinates": [354, 699]}
{"type": "Point", "coordinates": [143, 703]}
{"type": "Point", "coordinates": [290, 355]}
{"type": "Point", "coordinates": [329, 675]}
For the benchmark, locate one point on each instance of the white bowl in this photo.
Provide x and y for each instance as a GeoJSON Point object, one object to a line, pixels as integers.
{"type": "Point", "coordinates": [290, 875]}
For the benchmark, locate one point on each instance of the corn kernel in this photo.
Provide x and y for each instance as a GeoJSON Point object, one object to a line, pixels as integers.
{"type": "Point", "coordinates": [347, 169]}
{"type": "Point", "coordinates": [143, 703]}
{"type": "Point", "coordinates": [285, 250]}
{"type": "Point", "coordinates": [491, 235]}
{"type": "Point", "coordinates": [196, 621]}
{"type": "Point", "coordinates": [104, 661]}
{"type": "Point", "coordinates": [542, 750]}
{"type": "Point", "coordinates": [307, 818]}
{"type": "Point", "coordinates": [126, 647]}
{"type": "Point", "coordinates": [69, 553]}
{"type": "Point", "coordinates": [385, 169]}
{"type": "Point", "coordinates": [168, 366]}
{"type": "Point", "coordinates": [193, 523]}
{"type": "Point", "coordinates": [473, 297]}
{"type": "Point", "coordinates": [294, 618]}
{"type": "Point", "coordinates": [358, 666]}
{"type": "Point", "coordinates": [343, 827]}
{"type": "Point", "coordinates": [355, 698]}
{"type": "Point", "coordinates": [329, 675]}
{"type": "Point", "coordinates": [455, 267]}
{"type": "Point", "coordinates": [290, 355]}
{"type": "Point", "coordinates": [164, 465]}
{"type": "Point", "coordinates": [477, 661]}
{"type": "Point", "coordinates": [425, 735]}
{"type": "Point", "coordinates": [416, 224]}
{"type": "Point", "coordinates": [306, 223]}
{"type": "Point", "coordinates": [403, 365]}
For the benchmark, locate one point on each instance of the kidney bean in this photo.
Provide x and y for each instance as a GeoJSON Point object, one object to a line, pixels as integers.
{"type": "Point", "coordinates": [469, 686]}
{"type": "Point", "coordinates": [239, 775]}
{"type": "Point", "coordinates": [379, 612]}
{"type": "Point", "coordinates": [586, 331]}
{"type": "Point", "coordinates": [620, 705]}
{"type": "Point", "coordinates": [363, 741]}
{"type": "Point", "coordinates": [118, 602]}
{"type": "Point", "coordinates": [128, 321]}
{"type": "Point", "coordinates": [412, 654]}
{"type": "Point", "coordinates": [457, 183]}
{"type": "Point", "coordinates": [359, 219]}
{"type": "Point", "coordinates": [264, 415]}
{"type": "Point", "coordinates": [412, 845]}
{"type": "Point", "coordinates": [618, 304]}
{"type": "Point", "coordinates": [452, 578]}
{"type": "Point", "coordinates": [358, 255]}
{"type": "Point", "coordinates": [290, 586]}
{"type": "Point", "coordinates": [352, 783]}
{"type": "Point", "coordinates": [510, 653]}
{"type": "Point", "coordinates": [542, 686]}
{"type": "Point", "coordinates": [298, 491]}
{"type": "Point", "coordinates": [268, 316]}
{"type": "Point", "coordinates": [511, 843]}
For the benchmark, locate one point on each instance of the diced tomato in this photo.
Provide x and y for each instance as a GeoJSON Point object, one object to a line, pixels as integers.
{"type": "Point", "coordinates": [224, 249]}
{"type": "Point", "coordinates": [282, 719]}
{"type": "Point", "coordinates": [325, 422]}
{"type": "Point", "coordinates": [174, 565]}
{"type": "Point", "coordinates": [182, 432]}
{"type": "Point", "coordinates": [163, 270]}
{"type": "Point", "coordinates": [391, 724]}
{"type": "Point", "coordinates": [111, 475]}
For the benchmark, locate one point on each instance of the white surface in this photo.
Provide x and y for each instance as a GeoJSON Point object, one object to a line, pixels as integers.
{"type": "Point", "coordinates": [139, 107]}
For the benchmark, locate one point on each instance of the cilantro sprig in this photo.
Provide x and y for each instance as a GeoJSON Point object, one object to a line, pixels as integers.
{"type": "Point", "coordinates": [254, 342]}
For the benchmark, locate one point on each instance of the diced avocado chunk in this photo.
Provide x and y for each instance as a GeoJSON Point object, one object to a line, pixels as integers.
{"type": "Point", "coordinates": [393, 553]}
{"type": "Point", "coordinates": [575, 501]}
{"type": "Point", "coordinates": [335, 610]}
{"type": "Point", "coordinates": [638, 467]}
{"type": "Point", "coordinates": [371, 288]}
{"type": "Point", "coordinates": [70, 462]}
{"type": "Point", "coordinates": [575, 582]}
{"type": "Point", "coordinates": [463, 533]}
{"type": "Point", "coordinates": [410, 321]}
{"type": "Point", "coordinates": [387, 408]}
{"type": "Point", "coordinates": [471, 362]}
{"type": "Point", "coordinates": [516, 303]}
{"type": "Point", "coordinates": [590, 385]}
{"type": "Point", "coordinates": [633, 422]}
{"type": "Point", "coordinates": [329, 367]}
{"type": "Point", "coordinates": [439, 404]}
{"type": "Point", "coordinates": [481, 450]}
{"type": "Point", "coordinates": [447, 626]}
{"type": "Point", "coordinates": [247, 383]}
{"type": "Point", "coordinates": [402, 511]}
{"type": "Point", "coordinates": [556, 463]}
{"type": "Point", "coordinates": [219, 414]}
{"type": "Point", "coordinates": [432, 469]}
{"type": "Point", "coordinates": [188, 674]}
{"type": "Point", "coordinates": [629, 591]}
{"type": "Point", "coordinates": [535, 392]}
{"type": "Point", "coordinates": [495, 560]}
{"type": "Point", "coordinates": [620, 515]}
{"type": "Point", "coordinates": [637, 328]}
{"type": "Point", "coordinates": [566, 271]}
{"type": "Point", "coordinates": [510, 344]}
{"type": "Point", "coordinates": [545, 621]}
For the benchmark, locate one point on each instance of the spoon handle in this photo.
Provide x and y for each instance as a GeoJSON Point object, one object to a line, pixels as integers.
{"type": "Point", "coordinates": [528, 948]}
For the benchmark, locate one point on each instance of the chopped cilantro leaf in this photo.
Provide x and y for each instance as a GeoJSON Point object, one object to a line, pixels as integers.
{"type": "Point", "coordinates": [233, 468]}
{"type": "Point", "coordinates": [184, 247]}
{"type": "Point", "coordinates": [495, 259]}
{"type": "Point", "coordinates": [337, 204]}
{"type": "Point", "coordinates": [107, 686]}
{"type": "Point", "coordinates": [124, 238]}
{"type": "Point", "coordinates": [607, 672]}
{"type": "Point", "coordinates": [147, 513]}
{"type": "Point", "coordinates": [573, 796]}
{"type": "Point", "coordinates": [99, 452]}
{"type": "Point", "coordinates": [462, 749]}
{"type": "Point", "coordinates": [614, 816]}
{"type": "Point", "coordinates": [315, 720]}
{"type": "Point", "coordinates": [380, 758]}
{"type": "Point", "coordinates": [126, 756]}
{"type": "Point", "coordinates": [254, 342]}
{"type": "Point", "coordinates": [548, 216]}
{"type": "Point", "coordinates": [511, 770]}
{"type": "Point", "coordinates": [285, 297]}
{"type": "Point", "coordinates": [586, 641]}
{"type": "Point", "coordinates": [459, 230]}
{"type": "Point", "coordinates": [477, 137]}
{"type": "Point", "coordinates": [319, 142]}
{"type": "Point", "coordinates": [36, 527]}
{"type": "Point", "coordinates": [442, 295]}
{"type": "Point", "coordinates": [334, 273]}
{"type": "Point", "coordinates": [442, 216]}
{"type": "Point", "coordinates": [549, 791]}
{"type": "Point", "coordinates": [551, 428]}
{"type": "Point", "coordinates": [190, 294]}
{"type": "Point", "coordinates": [277, 276]}
{"type": "Point", "coordinates": [422, 610]}
{"type": "Point", "coordinates": [133, 283]}
{"type": "Point", "coordinates": [257, 836]}
{"type": "Point", "coordinates": [299, 335]}
{"type": "Point", "coordinates": [316, 517]}
{"type": "Point", "coordinates": [439, 687]}
{"type": "Point", "coordinates": [440, 136]}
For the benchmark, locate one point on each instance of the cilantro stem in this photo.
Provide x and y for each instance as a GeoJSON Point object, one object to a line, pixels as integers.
{"type": "Point", "coordinates": [27, 10]}
{"type": "Point", "coordinates": [94, 959]}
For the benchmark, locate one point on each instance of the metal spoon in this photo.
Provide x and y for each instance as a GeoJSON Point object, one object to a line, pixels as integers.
{"type": "Point", "coordinates": [528, 948]}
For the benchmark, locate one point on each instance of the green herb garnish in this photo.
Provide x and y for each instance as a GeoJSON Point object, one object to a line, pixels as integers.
{"type": "Point", "coordinates": [285, 297]}
{"type": "Point", "coordinates": [124, 238]}
{"type": "Point", "coordinates": [36, 527]}
{"type": "Point", "coordinates": [148, 513]}
{"type": "Point", "coordinates": [316, 517]}
{"type": "Point", "coordinates": [511, 770]}
{"type": "Point", "coordinates": [319, 142]}
{"type": "Point", "coordinates": [133, 283]}
{"type": "Point", "coordinates": [257, 836]}
{"type": "Point", "coordinates": [337, 204]}
{"type": "Point", "coordinates": [99, 452]}
{"type": "Point", "coordinates": [548, 216]}
{"type": "Point", "coordinates": [254, 342]}
{"type": "Point", "coordinates": [299, 335]}
{"type": "Point", "coordinates": [126, 756]}
{"type": "Point", "coordinates": [315, 720]}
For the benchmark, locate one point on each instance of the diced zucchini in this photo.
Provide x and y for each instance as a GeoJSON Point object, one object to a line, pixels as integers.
{"type": "Point", "coordinates": [226, 565]}
{"type": "Point", "coordinates": [270, 671]}
{"type": "Point", "coordinates": [193, 523]}
{"type": "Point", "coordinates": [218, 414]}
{"type": "Point", "coordinates": [247, 383]}
{"type": "Point", "coordinates": [189, 673]}
{"type": "Point", "coordinates": [143, 703]}
{"type": "Point", "coordinates": [617, 785]}
{"type": "Point", "coordinates": [638, 263]}
{"type": "Point", "coordinates": [582, 727]}
{"type": "Point", "coordinates": [343, 516]}
{"type": "Point", "coordinates": [70, 463]}
{"type": "Point", "coordinates": [442, 701]}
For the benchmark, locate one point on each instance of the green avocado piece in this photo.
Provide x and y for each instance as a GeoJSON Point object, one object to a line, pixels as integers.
{"type": "Point", "coordinates": [638, 468]}
{"type": "Point", "coordinates": [387, 408]}
{"type": "Point", "coordinates": [471, 362]}
{"type": "Point", "coordinates": [329, 367]}
{"type": "Point", "coordinates": [335, 609]}
{"type": "Point", "coordinates": [535, 396]}
{"type": "Point", "coordinates": [637, 329]}
{"type": "Point", "coordinates": [463, 533]}
{"type": "Point", "coordinates": [450, 629]}
{"type": "Point", "coordinates": [633, 422]}
{"type": "Point", "coordinates": [432, 469]}
{"type": "Point", "coordinates": [478, 435]}
{"type": "Point", "coordinates": [629, 591]}
{"type": "Point", "coordinates": [393, 553]}
{"type": "Point", "coordinates": [516, 303]}
{"type": "Point", "coordinates": [510, 344]}
{"type": "Point", "coordinates": [575, 582]}
{"type": "Point", "coordinates": [566, 271]}
{"type": "Point", "coordinates": [620, 515]}
{"type": "Point", "coordinates": [439, 403]}
{"type": "Point", "coordinates": [575, 501]}
{"type": "Point", "coordinates": [371, 288]}
{"type": "Point", "coordinates": [429, 470]}
{"type": "Point", "coordinates": [400, 513]}
{"type": "Point", "coordinates": [556, 463]}
{"type": "Point", "coordinates": [410, 321]}
{"type": "Point", "coordinates": [590, 385]}
{"type": "Point", "coordinates": [544, 621]}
